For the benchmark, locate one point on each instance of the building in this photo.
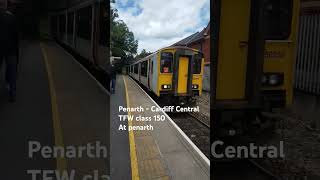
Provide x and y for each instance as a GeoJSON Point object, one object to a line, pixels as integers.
{"type": "Point", "coordinates": [200, 41]}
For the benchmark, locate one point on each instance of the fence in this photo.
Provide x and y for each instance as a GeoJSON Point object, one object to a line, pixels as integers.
{"type": "Point", "coordinates": [307, 73]}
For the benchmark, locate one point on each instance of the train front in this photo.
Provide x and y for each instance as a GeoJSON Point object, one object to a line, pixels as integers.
{"type": "Point", "coordinates": [181, 73]}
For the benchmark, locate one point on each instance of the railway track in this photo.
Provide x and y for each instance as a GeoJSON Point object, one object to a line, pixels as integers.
{"type": "Point", "coordinates": [263, 170]}
{"type": "Point", "coordinates": [195, 129]}
{"type": "Point", "coordinates": [241, 170]}
{"type": "Point", "coordinates": [199, 120]}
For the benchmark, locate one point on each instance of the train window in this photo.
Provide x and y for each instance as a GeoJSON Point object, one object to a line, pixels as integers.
{"type": "Point", "coordinates": [144, 68]}
{"type": "Point", "coordinates": [166, 62]}
{"type": "Point", "coordinates": [54, 26]}
{"type": "Point", "coordinates": [136, 68]}
{"type": "Point", "coordinates": [84, 22]}
{"type": "Point", "coordinates": [62, 25]}
{"type": "Point", "coordinates": [197, 64]}
{"type": "Point", "coordinates": [70, 23]}
{"type": "Point", "coordinates": [278, 17]}
{"type": "Point", "coordinates": [151, 67]}
{"type": "Point", "coordinates": [104, 20]}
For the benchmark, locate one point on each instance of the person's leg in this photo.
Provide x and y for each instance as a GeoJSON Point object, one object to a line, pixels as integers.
{"type": "Point", "coordinates": [114, 85]}
{"type": "Point", "coordinates": [11, 76]}
{"type": "Point", "coordinates": [111, 86]}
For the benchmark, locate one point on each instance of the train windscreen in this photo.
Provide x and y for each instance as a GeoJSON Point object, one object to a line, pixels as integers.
{"type": "Point", "coordinates": [278, 17]}
{"type": "Point", "coordinates": [166, 62]}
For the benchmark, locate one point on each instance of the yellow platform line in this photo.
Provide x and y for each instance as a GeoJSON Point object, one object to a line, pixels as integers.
{"type": "Point", "coordinates": [133, 153]}
{"type": "Point", "coordinates": [61, 162]}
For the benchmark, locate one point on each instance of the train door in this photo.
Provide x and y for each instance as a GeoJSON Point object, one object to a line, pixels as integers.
{"type": "Point", "coordinates": [233, 49]}
{"type": "Point", "coordinates": [238, 67]}
{"type": "Point", "coordinates": [149, 73]}
{"type": "Point", "coordinates": [183, 74]}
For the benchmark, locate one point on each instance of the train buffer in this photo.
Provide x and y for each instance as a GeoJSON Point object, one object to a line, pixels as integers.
{"type": "Point", "coordinates": [158, 147]}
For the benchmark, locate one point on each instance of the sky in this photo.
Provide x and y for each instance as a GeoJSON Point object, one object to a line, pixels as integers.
{"type": "Point", "coordinates": [160, 23]}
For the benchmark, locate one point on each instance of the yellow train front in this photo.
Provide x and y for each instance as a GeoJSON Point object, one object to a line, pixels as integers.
{"type": "Point", "coordinates": [254, 54]}
{"type": "Point", "coordinates": [173, 74]}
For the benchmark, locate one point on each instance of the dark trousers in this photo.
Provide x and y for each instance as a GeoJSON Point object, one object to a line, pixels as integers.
{"type": "Point", "coordinates": [11, 63]}
{"type": "Point", "coordinates": [113, 85]}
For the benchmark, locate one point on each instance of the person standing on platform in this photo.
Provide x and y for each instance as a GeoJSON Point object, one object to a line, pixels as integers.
{"type": "Point", "coordinates": [113, 76]}
{"type": "Point", "coordinates": [9, 47]}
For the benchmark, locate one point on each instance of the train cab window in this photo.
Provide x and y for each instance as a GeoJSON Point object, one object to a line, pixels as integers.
{"type": "Point", "coordinates": [278, 17]}
{"type": "Point", "coordinates": [144, 68]}
{"type": "Point", "coordinates": [136, 67]}
{"type": "Point", "coordinates": [166, 62]}
{"type": "Point", "coordinates": [197, 64]}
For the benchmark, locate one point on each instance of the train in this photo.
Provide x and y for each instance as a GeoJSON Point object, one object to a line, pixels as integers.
{"type": "Point", "coordinates": [83, 28]}
{"type": "Point", "coordinates": [254, 63]}
{"type": "Point", "coordinates": [173, 74]}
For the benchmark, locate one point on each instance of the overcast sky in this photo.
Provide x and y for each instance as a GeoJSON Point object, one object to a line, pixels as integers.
{"type": "Point", "coordinates": [160, 23]}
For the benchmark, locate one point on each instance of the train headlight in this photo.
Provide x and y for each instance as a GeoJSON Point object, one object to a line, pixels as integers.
{"type": "Point", "coordinates": [272, 79]}
{"type": "Point", "coordinates": [195, 86]}
{"type": "Point", "coordinates": [166, 86]}
{"type": "Point", "coordinates": [264, 79]}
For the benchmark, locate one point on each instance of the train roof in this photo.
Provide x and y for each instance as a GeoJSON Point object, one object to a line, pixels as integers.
{"type": "Point", "coordinates": [166, 48]}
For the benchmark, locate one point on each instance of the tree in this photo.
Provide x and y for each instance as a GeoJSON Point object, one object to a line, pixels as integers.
{"type": "Point", "coordinates": [123, 43]}
{"type": "Point", "coordinates": [142, 54]}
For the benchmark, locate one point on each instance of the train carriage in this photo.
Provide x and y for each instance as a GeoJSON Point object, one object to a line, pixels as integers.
{"type": "Point", "coordinates": [82, 27]}
{"type": "Point", "coordinates": [254, 63]}
{"type": "Point", "coordinates": [174, 73]}
{"type": "Point", "coordinates": [281, 22]}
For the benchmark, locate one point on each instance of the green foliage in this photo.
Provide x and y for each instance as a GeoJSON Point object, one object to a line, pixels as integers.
{"type": "Point", "coordinates": [123, 42]}
{"type": "Point", "coordinates": [142, 54]}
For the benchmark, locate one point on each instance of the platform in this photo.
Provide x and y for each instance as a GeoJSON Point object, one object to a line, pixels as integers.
{"type": "Point", "coordinates": [58, 104]}
{"type": "Point", "coordinates": [164, 152]}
